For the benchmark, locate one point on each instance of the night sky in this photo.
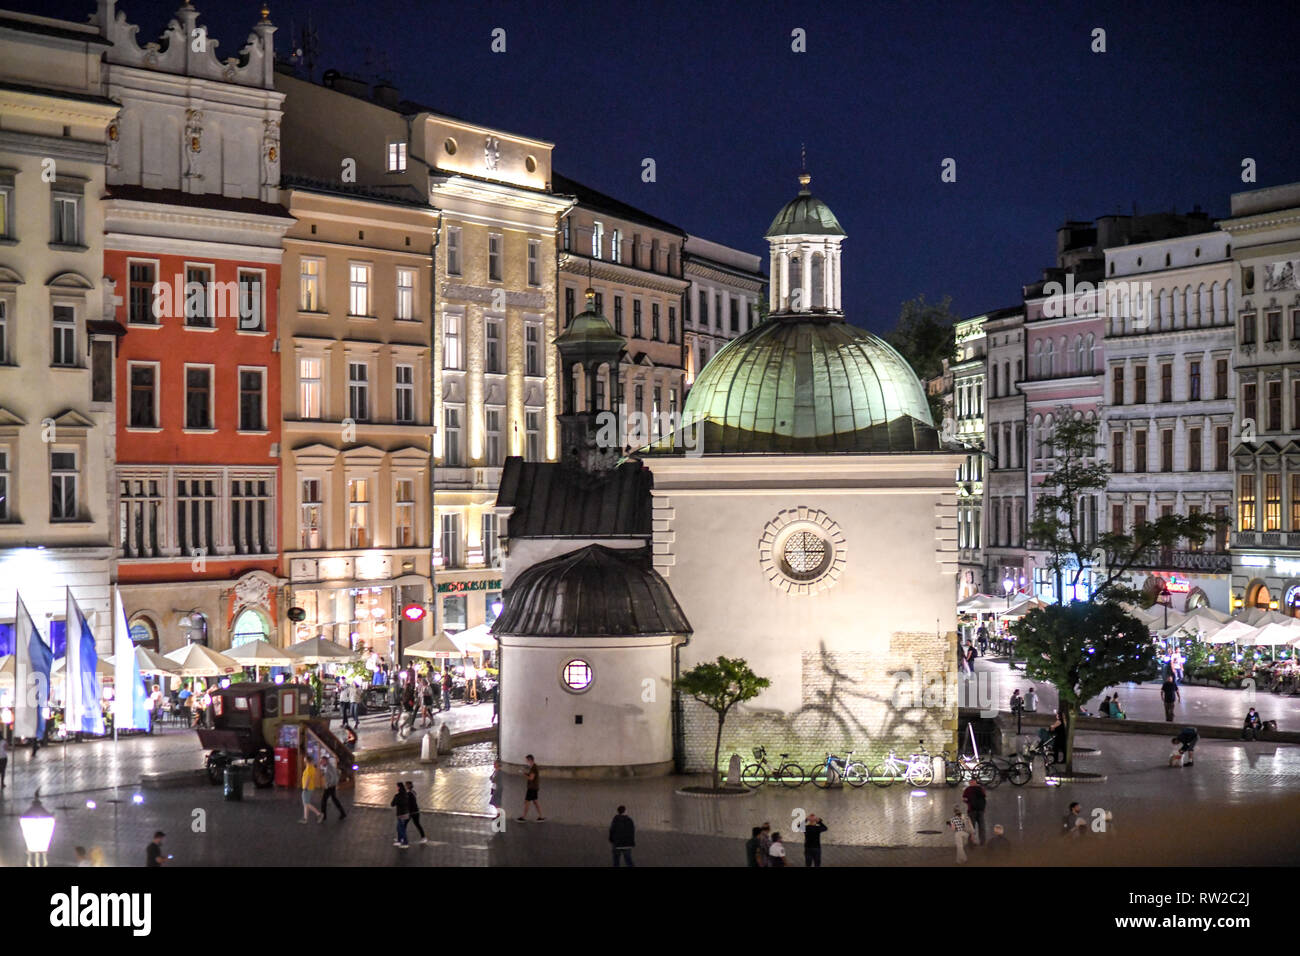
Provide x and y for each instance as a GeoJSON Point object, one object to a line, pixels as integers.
{"type": "Point", "coordinates": [1042, 128]}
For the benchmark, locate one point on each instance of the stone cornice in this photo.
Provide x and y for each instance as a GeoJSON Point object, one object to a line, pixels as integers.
{"type": "Point", "coordinates": [486, 295]}
{"type": "Point", "coordinates": [575, 266]}
{"type": "Point", "coordinates": [33, 144]}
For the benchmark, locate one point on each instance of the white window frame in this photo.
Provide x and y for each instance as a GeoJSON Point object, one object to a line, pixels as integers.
{"type": "Point", "coordinates": [534, 262]}
{"type": "Point", "coordinates": [152, 321]}
{"type": "Point", "coordinates": [6, 481]}
{"type": "Point", "coordinates": [362, 507]}
{"type": "Point", "coordinates": [404, 307]}
{"type": "Point", "coordinates": [239, 400]}
{"type": "Point", "coordinates": [396, 156]}
{"type": "Point", "coordinates": [212, 399]}
{"type": "Point", "coordinates": [615, 239]}
{"type": "Point", "coordinates": [534, 346]}
{"type": "Point", "coordinates": [493, 436]}
{"type": "Point", "coordinates": [157, 396]}
{"type": "Point", "coordinates": [363, 384]}
{"type": "Point", "coordinates": [490, 538]}
{"type": "Point", "coordinates": [453, 437]}
{"type": "Point", "coordinates": [494, 324]}
{"type": "Point", "coordinates": [496, 251]}
{"type": "Point", "coordinates": [259, 303]}
{"type": "Point", "coordinates": [405, 506]}
{"type": "Point", "coordinates": [453, 351]}
{"type": "Point", "coordinates": [305, 506]}
{"type": "Point", "coordinates": [532, 434]}
{"type": "Point", "coordinates": [406, 388]}
{"type": "Point", "coordinates": [449, 524]}
{"type": "Point", "coordinates": [359, 290]}
{"type": "Point", "coordinates": [454, 250]}
{"type": "Point", "coordinates": [303, 388]}
{"type": "Point", "coordinates": [60, 200]}
{"type": "Point", "coordinates": [313, 281]}
{"type": "Point", "coordinates": [208, 297]}
{"type": "Point", "coordinates": [265, 528]}
{"type": "Point", "coordinates": [597, 238]}
{"type": "Point", "coordinates": [59, 331]}
{"type": "Point", "coordinates": [75, 474]}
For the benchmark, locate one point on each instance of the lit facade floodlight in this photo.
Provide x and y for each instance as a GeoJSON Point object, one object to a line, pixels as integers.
{"type": "Point", "coordinates": [38, 831]}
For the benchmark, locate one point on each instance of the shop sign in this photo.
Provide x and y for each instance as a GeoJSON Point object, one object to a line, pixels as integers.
{"type": "Point", "coordinates": [413, 612]}
{"type": "Point", "coordinates": [1253, 561]}
{"type": "Point", "coordinates": [459, 587]}
{"type": "Point", "coordinates": [1178, 586]}
{"type": "Point", "coordinates": [1292, 597]}
{"type": "Point", "coordinates": [1286, 565]}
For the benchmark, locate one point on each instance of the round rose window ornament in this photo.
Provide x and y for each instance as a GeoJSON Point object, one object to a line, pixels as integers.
{"type": "Point", "coordinates": [802, 551]}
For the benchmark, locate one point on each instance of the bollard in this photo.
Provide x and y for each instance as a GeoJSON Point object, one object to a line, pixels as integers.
{"type": "Point", "coordinates": [733, 771]}
{"type": "Point", "coordinates": [426, 747]}
{"type": "Point", "coordinates": [1020, 811]}
{"type": "Point", "coordinates": [444, 739]}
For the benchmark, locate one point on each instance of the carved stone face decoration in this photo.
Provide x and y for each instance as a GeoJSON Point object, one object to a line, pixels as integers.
{"type": "Point", "coordinates": [492, 153]}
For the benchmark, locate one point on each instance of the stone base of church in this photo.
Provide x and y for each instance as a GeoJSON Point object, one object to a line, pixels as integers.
{"type": "Point", "coordinates": [597, 773]}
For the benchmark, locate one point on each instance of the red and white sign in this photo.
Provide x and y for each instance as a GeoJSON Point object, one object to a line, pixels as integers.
{"type": "Point", "coordinates": [413, 612]}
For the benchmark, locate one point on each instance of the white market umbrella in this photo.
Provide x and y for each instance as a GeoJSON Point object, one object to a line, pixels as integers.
{"type": "Point", "coordinates": [320, 650]}
{"type": "Point", "coordinates": [151, 662]}
{"type": "Point", "coordinates": [477, 638]}
{"type": "Point", "coordinates": [1201, 629]}
{"type": "Point", "coordinates": [981, 604]}
{"type": "Point", "coordinates": [1208, 615]}
{"type": "Point", "coordinates": [1271, 634]}
{"type": "Point", "coordinates": [1234, 632]}
{"type": "Point", "coordinates": [433, 647]}
{"type": "Point", "coordinates": [197, 660]}
{"type": "Point", "coordinates": [261, 653]}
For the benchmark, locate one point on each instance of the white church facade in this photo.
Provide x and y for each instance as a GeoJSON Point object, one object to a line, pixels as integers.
{"type": "Point", "coordinates": [811, 531]}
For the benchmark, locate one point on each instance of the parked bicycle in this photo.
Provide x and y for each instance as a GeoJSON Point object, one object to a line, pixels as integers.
{"type": "Point", "coordinates": [963, 767]}
{"type": "Point", "coordinates": [788, 774]}
{"type": "Point", "coordinates": [852, 772]}
{"type": "Point", "coordinates": [918, 770]}
{"type": "Point", "coordinates": [1044, 750]}
{"type": "Point", "coordinates": [1011, 769]}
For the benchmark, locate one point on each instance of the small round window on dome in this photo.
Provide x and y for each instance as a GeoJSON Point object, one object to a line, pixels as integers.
{"type": "Point", "coordinates": [450, 146]}
{"type": "Point", "coordinates": [576, 676]}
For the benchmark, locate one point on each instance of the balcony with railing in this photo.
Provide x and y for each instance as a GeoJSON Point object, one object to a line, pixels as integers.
{"type": "Point", "coordinates": [1266, 539]}
{"type": "Point", "coordinates": [1170, 559]}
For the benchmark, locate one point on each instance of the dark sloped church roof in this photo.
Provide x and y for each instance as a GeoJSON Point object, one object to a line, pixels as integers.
{"type": "Point", "coordinates": [592, 592]}
{"type": "Point", "coordinates": [555, 499]}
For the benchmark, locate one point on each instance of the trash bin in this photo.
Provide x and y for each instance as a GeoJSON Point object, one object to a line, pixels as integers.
{"type": "Point", "coordinates": [234, 783]}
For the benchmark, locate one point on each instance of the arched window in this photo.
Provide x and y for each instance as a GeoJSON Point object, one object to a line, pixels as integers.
{"type": "Point", "coordinates": [818, 282]}
{"type": "Point", "coordinates": [1192, 307]}
{"type": "Point", "coordinates": [796, 280]}
{"type": "Point", "coordinates": [1050, 359]}
{"type": "Point", "coordinates": [1036, 438]}
{"type": "Point", "coordinates": [1048, 450]}
{"type": "Point", "coordinates": [249, 626]}
{"type": "Point", "coordinates": [1091, 353]}
{"type": "Point", "coordinates": [1216, 302]}
{"type": "Point", "coordinates": [144, 632]}
{"type": "Point", "coordinates": [1177, 315]}
{"type": "Point", "coordinates": [1204, 308]}
{"type": "Point", "coordinates": [1078, 353]}
{"type": "Point", "coordinates": [1165, 318]}
{"type": "Point", "coordinates": [1038, 359]}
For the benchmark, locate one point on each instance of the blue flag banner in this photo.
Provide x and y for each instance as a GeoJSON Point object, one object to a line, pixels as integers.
{"type": "Point", "coordinates": [32, 663]}
{"type": "Point", "coordinates": [81, 694]}
{"type": "Point", "coordinates": [58, 638]}
{"type": "Point", "coordinates": [131, 701]}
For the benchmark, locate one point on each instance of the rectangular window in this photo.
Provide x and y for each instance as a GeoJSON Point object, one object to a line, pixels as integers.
{"type": "Point", "coordinates": [1221, 449]}
{"type": "Point", "coordinates": [4, 332]}
{"type": "Point", "coordinates": [1193, 449]}
{"type": "Point", "coordinates": [359, 535]}
{"type": "Point", "coordinates": [397, 157]}
{"type": "Point", "coordinates": [309, 388]}
{"type": "Point", "coordinates": [534, 269]}
{"type": "Point", "coordinates": [735, 315]}
{"type": "Point", "coordinates": [1166, 449]}
{"type": "Point", "coordinates": [1140, 385]}
{"type": "Point", "coordinates": [309, 285]}
{"type": "Point", "coordinates": [1140, 450]}
{"type": "Point", "coordinates": [1248, 328]}
{"type": "Point", "coordinates": [251, 318]}
{"type": "Point", "coordinates": [102, 369]}
{"type": "Point", "coordinates": [251, 514]}
{"type": "Point", "coordinates": [142, 276]}
{"type": "Point", "coordinates": [1273, 325]}
{"type": "Point", "coordinates": [453, 250]}
{"type": "Point", "coordinates": [494, 258]}
{"type": "Point", "coordinates": [196, 509]}
{"type": "Point", "coordinates": [1295, 503]}
{"type": "Point", "coordinates": [494, 445]}
{"type": "Point", "coordinates": [492, 351]}
{"type": "Point", "coordinates": [636, 318]}
{"type": "Point", "coordinates": [567, 234]}
{"type": "Point", "coordinates": [451, 356]}
{"type": "Point", "coordinates": [597, 238]}
{"type": "Point", "coordinates": [618, 314]}
{"type": "Point", "coordinates": [311, 515]}
{"type": "Point", "coordinates": [491, 541]}
{"type": "Point", "coordinates": [1272, 501]}
{"type": "Point", "coordinates": [198, 397]}
{"type": "Point", "coordinates": [1274, 406]}
{"type": "Point", "coordinates": [6, 191]}
{"type": "Point", "coordinates": [359, 391]}
{"type": "Point", "coordinates": [1221, 378]}
{"type": "Point", "coordinates": [404, 393]}
{"type": "Point", "coordinates": [615, 243]}
{"type": "Point", "coordinates": [532, 436]}
{"type": "Point", "coordinates": [140, 517]}
{"type": "Point", "coordinates": [656, 406]}
{"type": "Point", "coordinates": [451, 541]}
{"type": "Point", "coordinates": [451, 456]}
{"type": "Point", "coordinates": [198, 297]}
{"type": "Point", "coordinates": [672, 324]}
{"type": "Point", "coordinates": [66, 221]}
{"type": "Point", "coordinates": [1139, 515]}
{"type": "Point", "coordinates": [532, 349]}
{"type": "Point", "coordinates": [4, 478]}
{"type": "Point", "coordinates": [358, 289]}
{"type": "Point", "coordinates": [1117, 453]}
{"type": "Point", "coordinates": [672, 402]}
{"type": "Point", "coordinates": [1166, 382]}
{"type": "Point", "coordinates": [65, 337]}
{"type": "Point", "coordinates": [63, 486]}
{"type": "Point", "coordinates": [1194, 382]}
{"type": "Point", "coordinates": [654, 321]}
{"type": "Point", "coordinates": [1249, 402]}
{"type": "Point", "coordinates": [702, 320]}
{"type": "Point", "coordinates": [404, 513]}
{"type": "Point", "coordinates": [252, 382]}
{"type": "Point", "coordinates": [406, 294]}
{"type": "Point", "coordinates": [570, 296]}
{"type": "Point", "coordinates": [1245, 502]}
{"type": "Point", "coordinates": [1117, 519]}
{"type": "Point", "coordinates": [1295, 406]}
{"type": "Point", "coordinates": [1223, 528]}
{"type": "Point", "coordinates": [143, 411]}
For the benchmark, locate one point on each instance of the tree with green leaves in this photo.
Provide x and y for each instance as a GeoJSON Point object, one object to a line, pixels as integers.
{"type": "Point", "coordinates": [924, 336]}
{"type": "Point", "coordinates": [1082, 648]}
{"type": "Point", "coordinates": [720, 685]}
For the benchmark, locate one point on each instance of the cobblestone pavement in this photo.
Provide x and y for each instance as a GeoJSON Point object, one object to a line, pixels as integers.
{"type": "Point", "coordinates": [1214, 706]}
{"type": "Point", "coordinates": [101, 764]}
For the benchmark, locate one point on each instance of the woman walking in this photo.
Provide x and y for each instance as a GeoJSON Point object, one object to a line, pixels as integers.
{"type": "Point", "coordinates": [311, 783]}
{"type": "Point", "coordinates": [401, 803]}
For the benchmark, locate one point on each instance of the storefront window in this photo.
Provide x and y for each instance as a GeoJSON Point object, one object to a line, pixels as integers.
{"type": "Point", "coordinates": [493, 602]}
{"type": "Point", "coordinates": [353, 617]}
{"type": "Point", "coordinates": [454, 612]}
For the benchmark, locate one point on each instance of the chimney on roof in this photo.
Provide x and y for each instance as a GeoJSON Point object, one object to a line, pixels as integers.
{"type": "Point", "coordinates": [345, 84]}
{"type": "Point", "coordinates": [386, 95]}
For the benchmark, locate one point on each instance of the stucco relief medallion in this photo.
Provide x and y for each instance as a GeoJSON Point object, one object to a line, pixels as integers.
{"type": "Point", "coordinates": [802, 551]}
{"type": "Point", "coordinates": [252, 590]}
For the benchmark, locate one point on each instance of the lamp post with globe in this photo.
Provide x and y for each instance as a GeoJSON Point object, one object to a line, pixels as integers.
{"type": "Point", "coordinates": [38, 831]}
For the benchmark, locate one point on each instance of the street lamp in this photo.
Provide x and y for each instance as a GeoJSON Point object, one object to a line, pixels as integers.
{"type": "Point", "coordinates": [38, 831]}
{"type": "Point", "coordinates": [1007, 584]}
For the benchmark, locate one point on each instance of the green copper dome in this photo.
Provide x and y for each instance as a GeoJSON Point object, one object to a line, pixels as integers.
{"type": "Point", "coordinates": [805, 215]}
{"type": "Point", "coordinates": [800, 383]}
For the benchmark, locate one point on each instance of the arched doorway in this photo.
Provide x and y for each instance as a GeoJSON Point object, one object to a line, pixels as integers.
{"type": "Point", "coordinates": [144, 632]}
{"type": "Point", "coordinates": [1196, 598]}
{"type": "Point", "coordinates": [249, 626]}
{"type": "Point", "coordinates": [1258, 595]}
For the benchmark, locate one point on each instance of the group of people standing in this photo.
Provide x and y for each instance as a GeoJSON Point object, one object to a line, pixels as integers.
{"type": "Point", "coordinates": [766, 848]}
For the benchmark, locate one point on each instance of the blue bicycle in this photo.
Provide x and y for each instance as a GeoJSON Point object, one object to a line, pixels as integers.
{"type": "Point", "coordinates": [840, 769]}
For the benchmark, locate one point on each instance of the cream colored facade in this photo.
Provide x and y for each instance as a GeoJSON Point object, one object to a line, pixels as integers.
{"type": "Point", "coordinates": [56, 376]}
{"type": "Point", "coordinates": [722, 301]}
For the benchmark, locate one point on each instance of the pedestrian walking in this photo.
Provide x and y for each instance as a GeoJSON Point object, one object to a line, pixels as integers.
{"type": "Point", "coordinates": [983, 638]}
{"type": "Point", "coordinates": [998, 845]}
{"type": "Point", "coordinates": [1059, 731]}
{"type": "Point", "coordinates": [776, 852]}
{"type": "Point", "coordinates": [494, 795]}
{"type": "Point", "coordinates": [764, 844]}
{"type": "Point", "coordinates": [4, 759]}
{"type": "Point", "coordinates": [346, 695]}
{"type": "Point", "coordinates": [751, 848]}
{"type": "Point", "coordinates": [401, 803]}
{"type": "Point", "coordinates": [532, 782]}
{"type": "Point", "coordinates": [1031, 701]}
{"type": "Point", "coordinates": [976, 800]}
{"type": "Point", "coordinates": [1017, 707]}
{"type": "Point", "coordinates": [813, 828]}
{"type": "Point", "coordinates": [310, 783]}
{"type": "Point", "coordinates": [1170, 695]}
{"type": "Point", "coordinates": [622, 836]}
{"type": "Point", "coordinates": [153, 854]}
{"type": "Point", "coordinates": [413, 807]}
{"type": "Point", "coordinates": [446, 689]}
{"type": "Point", "coordinates": [957, 824]}
{"type": "Point", "coordinates": [330, 775]}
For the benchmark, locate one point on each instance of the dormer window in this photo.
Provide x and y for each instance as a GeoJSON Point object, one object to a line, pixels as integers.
{"type": "Point", "coordinates": [397, 157]}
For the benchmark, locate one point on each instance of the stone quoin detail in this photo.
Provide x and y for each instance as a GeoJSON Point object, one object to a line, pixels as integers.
{"type": "Point", "coordinates": [819, 531]}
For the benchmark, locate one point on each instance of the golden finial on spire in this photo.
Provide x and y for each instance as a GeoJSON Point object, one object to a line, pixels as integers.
{"type": "Point", "coordinates": [804, 178]}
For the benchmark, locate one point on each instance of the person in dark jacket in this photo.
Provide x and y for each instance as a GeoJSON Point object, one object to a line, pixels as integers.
{"type": "Point", "coordinates": [1169, 695]}
{"type": "Point", "coordinates": [813, 829]}
{"type": "Point", "coordinates": [1250, 729]}
{"type": "Point", "coordinates": [622, 836]}
{"type": "Point", "coordinates": [751, 848]}
{"type": "Point", "coordinates": [413, 806]}
{"type": "Point", "coordinates": [402, 804]}
{"type": "Point", "coordinates": [976, 800]}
